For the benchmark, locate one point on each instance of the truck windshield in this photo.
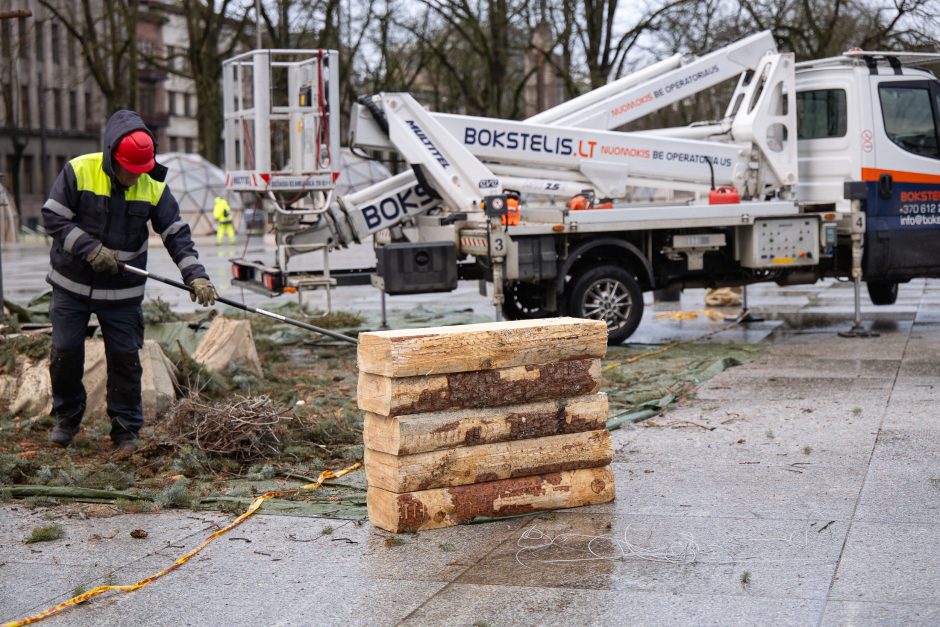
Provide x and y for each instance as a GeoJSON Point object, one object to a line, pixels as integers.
{"type": "Point", "coordinates": [820, 113]}
{"type": "Point", "coordinates": [909, 118]}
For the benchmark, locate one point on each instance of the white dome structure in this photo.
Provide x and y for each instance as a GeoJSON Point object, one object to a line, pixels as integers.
{"type": "Point", "coordinates": [358, 173]}
{"type": "Point", "coordinates": [195, 182]}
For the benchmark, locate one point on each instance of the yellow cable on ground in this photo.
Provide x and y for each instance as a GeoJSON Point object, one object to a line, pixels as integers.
{"type": "Point", "coordinates": [642, 355]}
{"type": "Point", "coordinates": [325, 475]}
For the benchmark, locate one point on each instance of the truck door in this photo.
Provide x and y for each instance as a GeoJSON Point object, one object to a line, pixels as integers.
{"type": "Point", "coordinates": [903, 209]}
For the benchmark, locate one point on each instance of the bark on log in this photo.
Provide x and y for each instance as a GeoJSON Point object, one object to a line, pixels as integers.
{"type": "Point", "coordinates": [488, 388]}
{"type": "Point", "coordinates": [487, 462]}
{"type": "Point", "coordinates": [465, 348]}
{"type": "Point", "coordinates": [420, 433]}
{"type": "Point", "coordinates": [443, 507]}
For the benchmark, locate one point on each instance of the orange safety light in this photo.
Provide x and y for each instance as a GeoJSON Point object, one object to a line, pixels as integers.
{"type": "Point", "coordinates": [579, 203]}
{"type": "Point", "coordinates": [724, 196]}
{"type": "Point", "coordinates": [512, 216]}
{"type": "Point", "coordinates": [582, 202]}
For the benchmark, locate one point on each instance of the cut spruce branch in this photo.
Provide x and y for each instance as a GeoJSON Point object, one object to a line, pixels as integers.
{"type": "Point", "coordinates": [247, 427]}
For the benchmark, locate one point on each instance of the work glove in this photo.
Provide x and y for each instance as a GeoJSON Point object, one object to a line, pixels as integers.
{"type": "Point", "coordinates": [102, 259]}
{"type": "Point", "coordinates": [203, 291]}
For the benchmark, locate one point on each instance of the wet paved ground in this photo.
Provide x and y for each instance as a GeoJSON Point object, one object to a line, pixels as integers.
{"type": "Point", "coordinates": [805, 485]}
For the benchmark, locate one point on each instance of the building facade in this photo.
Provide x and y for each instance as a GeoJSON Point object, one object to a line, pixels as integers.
{"type": "Point", "coordinates": [182, 129]}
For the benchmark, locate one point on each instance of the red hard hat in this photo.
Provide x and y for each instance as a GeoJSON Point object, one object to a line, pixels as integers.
{"type": "Point", "coordinates": [135, 152]}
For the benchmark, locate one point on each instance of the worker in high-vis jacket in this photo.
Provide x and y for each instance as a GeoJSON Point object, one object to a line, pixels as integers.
{"type": "Point", "coordinates": [223, 215]}
{"type": "Point", "coordinates": [97, 215]}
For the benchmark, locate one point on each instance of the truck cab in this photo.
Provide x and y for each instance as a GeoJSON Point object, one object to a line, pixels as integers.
{"type": "Point", "coordinates": [875, 117]}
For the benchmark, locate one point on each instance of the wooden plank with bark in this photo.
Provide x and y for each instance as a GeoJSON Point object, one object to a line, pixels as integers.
{"type": "Point", "coordinates": [487, 462]}
{"type": "Point", "coordinates": [487, 388]}
{"type": "Point", "coordinates": [443, 507]}
{"type": "Point", "coordinates": [434, 431]}
{"type": "Point", "coordinates": [465, 348]}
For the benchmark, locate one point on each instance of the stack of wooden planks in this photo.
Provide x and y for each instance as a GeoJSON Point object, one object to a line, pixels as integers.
{"type": "Point", "coordinates": [483, 420]}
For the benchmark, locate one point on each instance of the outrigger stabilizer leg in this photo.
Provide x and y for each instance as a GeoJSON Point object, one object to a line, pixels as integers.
{"type": "Point", "coordinates": [238, 305]}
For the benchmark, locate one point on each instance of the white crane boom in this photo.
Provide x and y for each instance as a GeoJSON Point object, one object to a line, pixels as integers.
{"type": "Point", "coordinates": [605, 108]}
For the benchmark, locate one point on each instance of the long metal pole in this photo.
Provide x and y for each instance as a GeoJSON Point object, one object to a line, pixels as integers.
{"type": "Point", "coordinates": [238, 305]}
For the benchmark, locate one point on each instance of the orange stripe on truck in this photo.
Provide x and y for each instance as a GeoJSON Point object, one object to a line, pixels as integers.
{"type": "Point", "coordinates": [873, 174]}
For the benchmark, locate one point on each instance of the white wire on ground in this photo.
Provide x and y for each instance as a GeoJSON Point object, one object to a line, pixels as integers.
{"type": "Point", "coordinates": [605, 547]}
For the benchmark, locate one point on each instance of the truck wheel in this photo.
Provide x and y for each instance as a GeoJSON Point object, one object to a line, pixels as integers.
{"type": "Point", "coordinates": [882, 292]}
{"type": "Point", "coordinates": [611, 294]}
{"type": "Point", "coordinates": [525, 301]}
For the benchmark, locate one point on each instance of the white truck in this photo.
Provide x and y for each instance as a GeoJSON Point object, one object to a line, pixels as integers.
{"type": "Point", "coordinates": [827, 168]}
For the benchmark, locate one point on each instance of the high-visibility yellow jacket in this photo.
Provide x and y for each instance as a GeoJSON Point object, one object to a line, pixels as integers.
{"type": "Point", "coordinates": [221, 211]}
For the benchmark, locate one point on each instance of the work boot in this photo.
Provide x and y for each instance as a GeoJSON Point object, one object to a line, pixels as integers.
{"type": "Point", "coordinates": [62, 436]}
{"type": "Point", "coordinates": [125, 447]}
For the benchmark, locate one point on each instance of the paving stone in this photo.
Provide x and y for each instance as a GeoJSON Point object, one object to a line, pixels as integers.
{"type": "Point", "coordinates": [909, 388]}
{"type": "Point", "coordinates": [839, 613]}
{"type": "Point", "coordinates": [278, 598]}
{"type": "Point", "coordinates": [659, 331]}
{"type": "Point", "coordinates": [96, 542]}
{"type": "Point", "coordinates": [292, 544]}
{"type": "Point", "coordinates": [914, 368]}
{"type": "Point", "coordinates": [921, 349]}
{"type": "Point", "coordinates": [461, 604]}
{"type": "Point", "coordinates": [889, 562]}
{"type": "Point", "coordinates": [786, 559]}
{"type": "Point", "coordinates": [900, 311]}
{"type": "Point", "coordinates": [700, 487]}
{"type": "Point", "coordinates": [903, 482]}
{"type": "Point", "coordinates": [825, 343]}
{"type": "Point", "coordinates": [29, 587]}
{"type": "Point", "coordinates": [927, 316]}
{"type": "Point", "coordinates": [743, 386]}
{"type": "Point", "coordinates": [791, 366]}
{"type": "Point", "coordinates": [755, 433]}
{"type": "Point", "coordinates": [915, 415]}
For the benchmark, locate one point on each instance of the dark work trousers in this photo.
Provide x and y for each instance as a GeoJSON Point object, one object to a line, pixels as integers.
{"type": "Point", "coordinates": [122, 326]}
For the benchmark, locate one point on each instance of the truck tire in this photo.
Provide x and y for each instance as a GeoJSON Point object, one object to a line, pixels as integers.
{"type": "Point", "coordinates": [611, 294]}
{"type": "Point", "coordinates": [882, 292]}
{"type": "Point", "coordinates": [525, 301]}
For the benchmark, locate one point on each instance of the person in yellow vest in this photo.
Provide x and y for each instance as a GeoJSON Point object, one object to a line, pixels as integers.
{"type": "Point", "coordinates": [223, 213]}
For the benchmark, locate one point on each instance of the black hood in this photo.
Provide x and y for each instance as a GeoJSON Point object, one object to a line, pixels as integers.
{"type": "Point", "coordinates": [120, 124]}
